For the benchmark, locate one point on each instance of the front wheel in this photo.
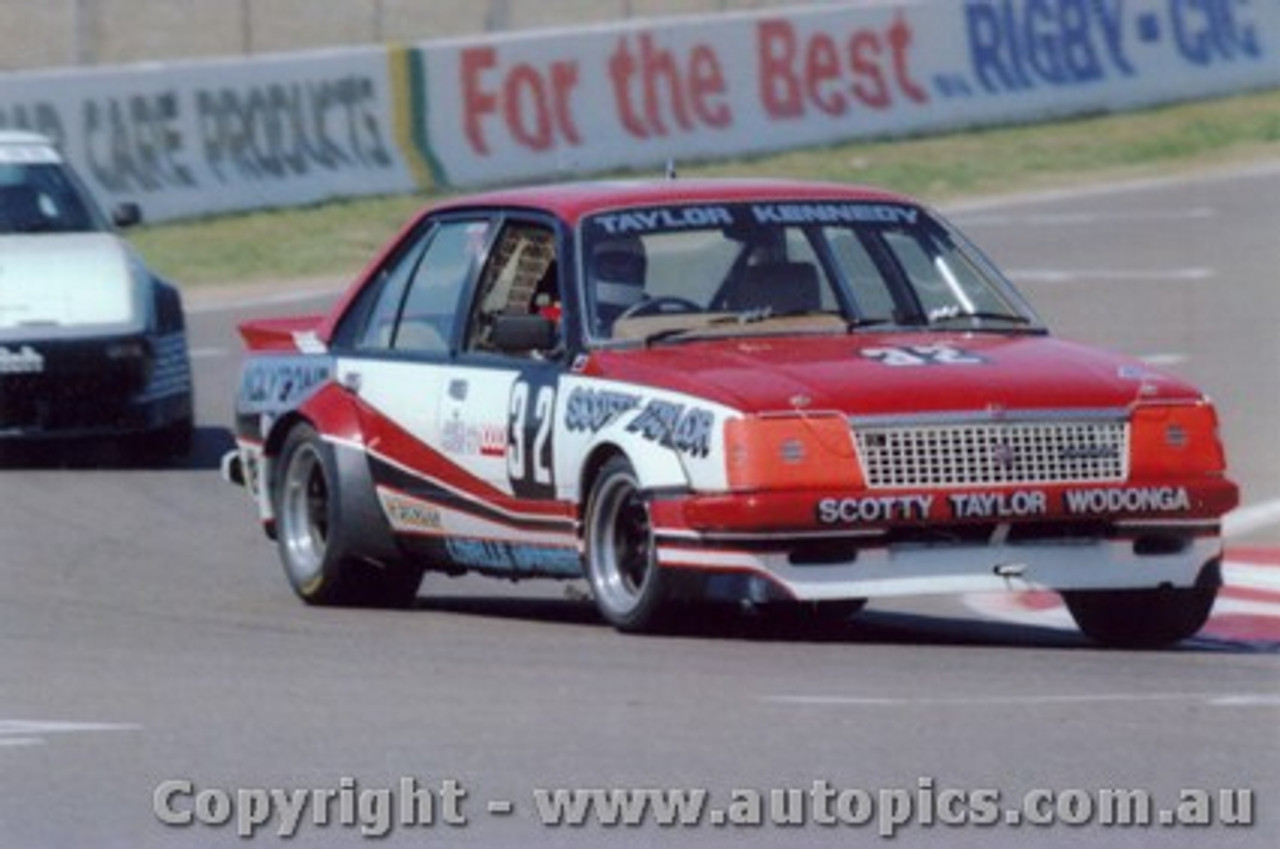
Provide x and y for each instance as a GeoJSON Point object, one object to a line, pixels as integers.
{"type": "Point", "coordinates": [1141, 618]}
{"type": "Point", "coordinates": [321, 563]}
{"type": "Point", "coordinates": [629, 586]}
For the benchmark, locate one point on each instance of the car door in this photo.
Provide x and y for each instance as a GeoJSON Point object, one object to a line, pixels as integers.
{"type": "Point", "coordinates": [436, 400]}
{"type": "Point", "coordinates": [395, 350]}
{"type": "Point", "coordinates": [499, 405]}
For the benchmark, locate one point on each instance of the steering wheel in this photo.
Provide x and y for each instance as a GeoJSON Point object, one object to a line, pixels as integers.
{"type": "Point", "coordinates": [663, 304]}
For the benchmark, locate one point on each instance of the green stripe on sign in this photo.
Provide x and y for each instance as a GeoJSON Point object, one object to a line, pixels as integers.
{"type": "Point", "coordinates": [407, 70]}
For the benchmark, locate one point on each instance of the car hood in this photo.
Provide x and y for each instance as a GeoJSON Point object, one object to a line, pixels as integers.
{"type": "Point", "coordinates": [68, 284]}
{"type": "Point", "coordinates": [874, 374]}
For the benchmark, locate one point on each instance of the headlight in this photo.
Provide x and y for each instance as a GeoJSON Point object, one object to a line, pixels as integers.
{"type": "Point", "coordinates": [791, 452]}
{"type": "Point", "coordinates": [1178, 439]}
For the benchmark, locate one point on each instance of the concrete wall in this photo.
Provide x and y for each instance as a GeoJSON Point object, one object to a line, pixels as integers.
{"type": "Point", "coordinates": [196, 136]}
{"type": "Point", "coordinates": [55, 33]}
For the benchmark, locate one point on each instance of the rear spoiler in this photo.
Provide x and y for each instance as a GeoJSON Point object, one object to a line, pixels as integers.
{"type": "Point", "coordinates": [296, 334]}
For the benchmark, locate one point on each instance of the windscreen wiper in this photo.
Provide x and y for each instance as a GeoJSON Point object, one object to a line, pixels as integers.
{"type": "Point", "coordinates": [980, 315]}
{"type": "Point", "coordinates": [752, 316]}
{"type": "Point", "coordinates": [669, 334]}
{"type": "Point", "coordinates": [863, 321]}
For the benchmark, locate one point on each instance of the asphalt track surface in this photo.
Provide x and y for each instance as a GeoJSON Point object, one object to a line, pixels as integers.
{"type": "Point", "coordinates": [147, 633]}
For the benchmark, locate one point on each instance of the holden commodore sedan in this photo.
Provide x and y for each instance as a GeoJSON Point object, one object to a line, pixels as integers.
{"type": "Point", "coordinates": [790, 395]}
{"type": "Point", "coordinates": [92, 343]}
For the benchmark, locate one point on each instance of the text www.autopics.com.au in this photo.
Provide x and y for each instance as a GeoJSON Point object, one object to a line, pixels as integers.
{"type": "Point", "coordinates": [412, 803]}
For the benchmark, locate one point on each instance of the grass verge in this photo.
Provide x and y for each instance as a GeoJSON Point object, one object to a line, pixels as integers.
{"type": "Point", "coordinates": [338, 238]}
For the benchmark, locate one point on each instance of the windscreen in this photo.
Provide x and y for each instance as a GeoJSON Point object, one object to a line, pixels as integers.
{"type": "Point", "coordinates": [834, 263]}
{"type": "Point", "coordinates": [42, 198]}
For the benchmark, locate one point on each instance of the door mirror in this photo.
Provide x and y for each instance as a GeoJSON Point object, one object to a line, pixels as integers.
{"type": "Point", "coordinates": [520, 334]}
{"type": "Point", "coordinates": [126, 215]}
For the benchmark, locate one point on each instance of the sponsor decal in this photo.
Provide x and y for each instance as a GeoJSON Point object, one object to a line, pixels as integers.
{"type": "Point", "coordinates": [473, 439]}
{"type": "Point", "coordinates": [281, 383]}
{"type": "Point", "coordinates": [833, 213]}
{"type": "Point", "coordinates": [993, 505]}
{"type": "Point", "coordinates": [673, 218]}
{"type": "Point", "coordinates": [913, 356]}
{"type": "Point", "coordinates": [694, 217]}
{"type": "Point", "coordinates": [1029, 46]}
{"type": "Point", "coordinates": [672, 425]}
{"type": "Point", "coordinates": [407, 514]}
{"type": "Point", "coordinates": [1151, 499]}
{"type": "Point", "coordinates": [593, 409]}
{"type": "Point", "coordinates": [1089, 452]}
{"type": "Point", "coordinates": [873, 509]}
{"type": "Point", "coordinates": [506, 557]}
{"type": "Point", "coordinates": [1000, 506]}
{"type": "Point", "coordinates": [25, 360]}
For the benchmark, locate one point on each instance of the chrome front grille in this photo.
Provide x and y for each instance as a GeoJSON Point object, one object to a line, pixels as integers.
{"type": "Point", "coordinates": [993, 453]}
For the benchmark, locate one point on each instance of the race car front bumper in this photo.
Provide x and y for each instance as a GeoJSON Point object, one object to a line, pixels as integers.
{"type": "Point", "coordinates": [95, 387]}
{"type": "Point", "coordinates": [916, 551]}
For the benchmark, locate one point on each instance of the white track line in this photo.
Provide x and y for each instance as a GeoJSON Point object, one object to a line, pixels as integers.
{"type": "Point", "coordinates": [1058, 219]}
{"type": "Point", "coordinates": [1215, 699]}
{"type": "Point", "coordinates": [1264, 169]}
{"type": "Point", "coordinates": [25, 732]}
{"type": "Point", "coordinates": [1163, 359]}
{"type": "Point", "coordinates": [1255, 517]}
{"type": "Point", "coordinates": [235, 304]}
{"type": "Point", "coordinates": [1063, 275]}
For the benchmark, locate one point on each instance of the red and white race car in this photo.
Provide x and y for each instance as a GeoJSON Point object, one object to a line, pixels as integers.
{"type": "Point", "coordinates": [788, 394]}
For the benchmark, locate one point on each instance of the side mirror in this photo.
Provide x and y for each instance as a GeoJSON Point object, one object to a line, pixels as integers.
{"type": "Point", "coordinates": [126, 215]}
{"type": "Point", "coordinates": [519, 334]}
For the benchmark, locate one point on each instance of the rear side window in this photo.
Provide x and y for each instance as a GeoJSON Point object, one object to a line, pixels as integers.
{"type": "Point", "coordinates": [417, 295]}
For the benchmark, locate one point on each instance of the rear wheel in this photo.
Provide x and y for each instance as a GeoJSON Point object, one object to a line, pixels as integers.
{"type": "Point", "coordinates": [315, 545]}
{"type": "Point", "coordinates": [629, 586]}
{"type": "Point", "coordinates": [1141, 618]}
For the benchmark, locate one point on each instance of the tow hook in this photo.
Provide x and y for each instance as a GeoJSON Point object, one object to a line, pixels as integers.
{"type": "Point", "coordinates": [1010, 571]}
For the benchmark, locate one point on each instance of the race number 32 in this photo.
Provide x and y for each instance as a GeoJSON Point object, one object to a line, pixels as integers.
{"type": "Point", "coordinates": [910, 356]}
{"type": "Point", "coordinates": [531, 414]}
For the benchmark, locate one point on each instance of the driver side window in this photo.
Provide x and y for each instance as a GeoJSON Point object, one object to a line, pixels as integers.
{"type": "Point", "coordinates": [520, 279]}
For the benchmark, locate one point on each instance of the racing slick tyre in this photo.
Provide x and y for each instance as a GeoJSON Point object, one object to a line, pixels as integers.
{"type": "Point", "coordinates": [1141, 618]}
{"type": "Point", "coordinates": [314, 542]}
{"type": "Point", "coordinates": [630, 588]}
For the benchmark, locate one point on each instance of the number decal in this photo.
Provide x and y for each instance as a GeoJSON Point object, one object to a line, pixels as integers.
{"type": "Point", "coordinates": [543, 409]}
{"type": "Point", "coordinates": [529, 444]}
{"type": "Point", "coordinates": [515, 431]}
{"type": "Point", "coordinates": [910, 356]}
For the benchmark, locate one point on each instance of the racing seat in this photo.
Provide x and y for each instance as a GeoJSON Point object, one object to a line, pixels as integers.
{"type": "Point", "coordinates": [783, 287]}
